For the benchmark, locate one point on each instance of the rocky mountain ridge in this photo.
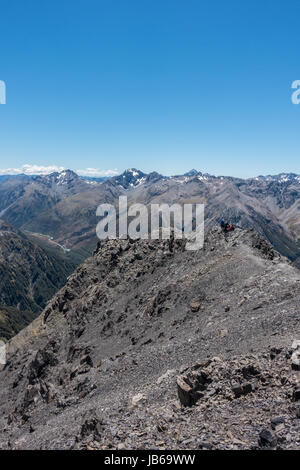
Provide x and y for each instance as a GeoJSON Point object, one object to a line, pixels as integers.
{"type": "Point", "coordinates": [98, 368]}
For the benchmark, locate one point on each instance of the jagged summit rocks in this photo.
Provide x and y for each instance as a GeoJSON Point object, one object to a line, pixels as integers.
{"type": "Point", "coordinates": [132, 178]}
{"type": "Point", "coordinates": [122, 328]}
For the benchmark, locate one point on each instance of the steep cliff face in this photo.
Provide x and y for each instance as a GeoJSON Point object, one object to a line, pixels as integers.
{"type": "Point", "coordinates": [99, 366]}
{"type": "Point", "coordinates": [29, 277]}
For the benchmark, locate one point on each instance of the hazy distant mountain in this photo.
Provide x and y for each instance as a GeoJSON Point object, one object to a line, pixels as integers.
{"type": "Point", "coordinates": [98, 179]}
{"type": "Point", "coordinates": [23, 197]}
{"type": "Point", "coordinates": [282, 177]}
{"type": "Point", "coordinates": [192, 172]}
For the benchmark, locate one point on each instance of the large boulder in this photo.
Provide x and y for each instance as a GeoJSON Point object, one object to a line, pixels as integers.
{"type": "Point", "coordinates": [191, 386]}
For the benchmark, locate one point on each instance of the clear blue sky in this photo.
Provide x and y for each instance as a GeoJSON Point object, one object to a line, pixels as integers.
{"type": "Point", "coordinates": [162, 85]}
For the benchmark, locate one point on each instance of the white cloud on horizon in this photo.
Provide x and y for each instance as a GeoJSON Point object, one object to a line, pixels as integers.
{"type": "Point", "coordinates": [46, 170]}
{"type": "Point", "coordinates": [32, 170]}
{"type": "Point", "coordinates": [97, 172]}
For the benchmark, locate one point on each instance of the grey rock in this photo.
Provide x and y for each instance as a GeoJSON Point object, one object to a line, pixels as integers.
{"type": "Point", "coordinates": [267, 438]}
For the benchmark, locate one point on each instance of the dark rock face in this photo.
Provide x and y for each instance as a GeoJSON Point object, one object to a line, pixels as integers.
{"type": "Point", "coordinates": [190, 386]}
{"type": "Point", "coordinates": [296, 394]}
{"type": "Point", "coordinates": [242, 389]}
{"type": "Point", "coordinates": [119, 359]}
{"type": "Point", "coordinates": [267, 438]}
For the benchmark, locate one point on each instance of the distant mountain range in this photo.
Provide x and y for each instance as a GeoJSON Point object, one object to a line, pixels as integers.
{"type": "Point", "coordinates": [61, 208]}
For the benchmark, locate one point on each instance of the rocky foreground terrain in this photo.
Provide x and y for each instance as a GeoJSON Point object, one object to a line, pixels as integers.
{"type": "Point", "coordinates": [149, 346]}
